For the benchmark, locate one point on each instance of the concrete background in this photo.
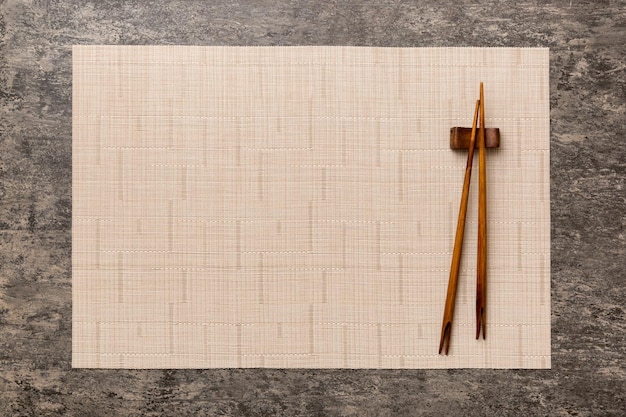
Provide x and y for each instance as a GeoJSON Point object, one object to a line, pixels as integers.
{"type": "Point", "coordinates": [587, 40]}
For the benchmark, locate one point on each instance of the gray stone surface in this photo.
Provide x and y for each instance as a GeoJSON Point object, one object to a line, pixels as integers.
{"type": "Point", "coordinates": [588, 170]}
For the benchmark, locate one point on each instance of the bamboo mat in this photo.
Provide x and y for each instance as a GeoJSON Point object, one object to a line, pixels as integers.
{"type": "Point", "coordinates": [295, 207]}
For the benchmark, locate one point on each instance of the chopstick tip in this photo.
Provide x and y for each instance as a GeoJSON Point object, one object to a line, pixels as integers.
{"type": "Point", "coordinates": [445, 338]}
{"type": "Point", "coordinates": [480, 322]}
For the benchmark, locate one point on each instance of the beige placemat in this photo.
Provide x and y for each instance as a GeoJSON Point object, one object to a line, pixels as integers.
{"type": "Point", "coordinates": [296, 207]}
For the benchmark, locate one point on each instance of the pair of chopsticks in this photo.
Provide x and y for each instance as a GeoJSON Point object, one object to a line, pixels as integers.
{"type": "Point", "coordinates": [481, 266]}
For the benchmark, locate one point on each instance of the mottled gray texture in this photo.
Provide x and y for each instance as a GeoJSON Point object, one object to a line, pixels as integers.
{"type": "Point", "coordinates": [588, 168]}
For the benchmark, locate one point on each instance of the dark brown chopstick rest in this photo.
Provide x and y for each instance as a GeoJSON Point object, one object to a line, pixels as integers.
{"type": "Point", "coordinates": [460, 137]}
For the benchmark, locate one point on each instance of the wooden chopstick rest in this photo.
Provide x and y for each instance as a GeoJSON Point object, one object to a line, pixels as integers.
{"type": "Point", "coordinates": [460, 137]}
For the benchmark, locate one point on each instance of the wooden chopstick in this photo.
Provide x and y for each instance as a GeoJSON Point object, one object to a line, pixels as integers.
{"type": "Point", "coordinates": [448, 313]}
{"type": "Point", "coordinates": [481, 264]}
